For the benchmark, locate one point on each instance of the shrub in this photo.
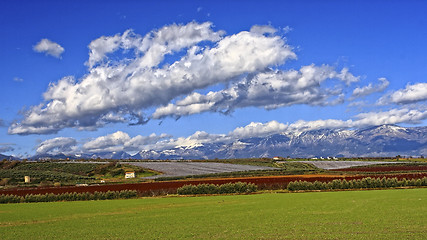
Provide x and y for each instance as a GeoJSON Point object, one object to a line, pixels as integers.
{"type": "Point", "coordinates": [355, 184]}
{"type": "Point", "coordinates": [4, 181]}
{"type": "Point", "coordinates": [11, 199]}
{"type": "Point", "coordinates": [238, 187]}
{"type": "Point", "coordinates": [117, 172]}
{"type": "Point", "coordinates": [50, 197]}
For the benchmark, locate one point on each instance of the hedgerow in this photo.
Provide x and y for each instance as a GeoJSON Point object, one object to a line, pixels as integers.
{"type": "Point", "coordinates": [356, 184]}
{"type": "Point", "coordinates": [238, 187]}
{"type": "Point", "coordinates": [50, 197]}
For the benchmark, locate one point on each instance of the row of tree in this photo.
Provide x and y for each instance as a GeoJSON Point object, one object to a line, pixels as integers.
{"type": "Point", "coordinates": [50, 197]}
{"type": "Point", "coordinates": [238, 187]}
{"type": "Point", "coordinates": [356, 184]}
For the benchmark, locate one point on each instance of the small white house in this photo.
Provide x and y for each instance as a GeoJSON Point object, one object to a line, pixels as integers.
{"type": "Point", "coordinates": [276, 158]}
{"type": "Point", "coordinates": [130, 175]}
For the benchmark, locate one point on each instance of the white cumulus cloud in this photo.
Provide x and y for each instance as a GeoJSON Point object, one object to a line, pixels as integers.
{"type": "Point", "coordinates": [263, 29]}
{"type": "Point", "coordinates": [393, 116]}
{"type": "Point", "coordinates": [57, 145]}
{"type": "Point", "coordinates": [257, 129]}
{"type": "Point", "coordinates": [49, 48]}
{"type": "Point", "coordinates": [269, 90]}
{"type": "Point", "coordinates": [121, 141]}
{"type": "Point", "coordinates": [370, 88]}
{"type": "Point", "coordinates": [129, 86]}
{"type": "Point", "coordinates": [411, 94]}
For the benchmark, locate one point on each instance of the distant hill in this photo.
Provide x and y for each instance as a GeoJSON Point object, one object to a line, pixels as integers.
{"type": "Point", "coordinates": [47, 156]}
{"type": "Point", "coordinates": [8, 157]}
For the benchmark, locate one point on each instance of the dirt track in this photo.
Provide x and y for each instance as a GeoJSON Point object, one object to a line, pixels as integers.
{"type": "Point", "coordinates": [171, 186]}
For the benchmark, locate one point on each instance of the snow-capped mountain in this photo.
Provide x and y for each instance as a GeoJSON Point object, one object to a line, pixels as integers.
{"type": "Point", "coordinates": [379, 141]}
{"type": "Point", "coordinates": [384, 140]}
{"type": "Point", "coordinates": [111, 155]}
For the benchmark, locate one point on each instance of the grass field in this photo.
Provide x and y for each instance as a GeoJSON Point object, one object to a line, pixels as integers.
{"type": "Point", "coordinates": [378, 214]}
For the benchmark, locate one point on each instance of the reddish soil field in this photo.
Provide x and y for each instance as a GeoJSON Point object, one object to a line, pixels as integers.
{"type": "Point", "coordinates": [171, 186]}
{"type": "Point", "coordinates": [396, 168]}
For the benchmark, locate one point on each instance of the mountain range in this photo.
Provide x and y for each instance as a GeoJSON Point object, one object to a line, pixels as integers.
{"type": "Point", "coordinates": [378, 141]}
{"type": "Point", "coordinates": [7, 157]}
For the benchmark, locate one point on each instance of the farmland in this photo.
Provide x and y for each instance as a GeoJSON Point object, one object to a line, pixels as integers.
{"type": "Point", "coordinates": [377, 214]}
{"type": "Point", "coordinates": [373, 214]}
{"type": "Point", "coordinates": [46, 173]}
{"type": "Point", "coordinates": [187, 168]}
{"type": "Point", "coordinates": [328, 165]}
{"type": "Point", "coordinates": [257, 171]}
{"type": "Point", "coordinates": [386, 168]}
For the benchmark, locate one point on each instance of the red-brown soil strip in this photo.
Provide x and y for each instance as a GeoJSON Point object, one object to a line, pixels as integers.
{"type": "Point", "coordinates": [173, 185]}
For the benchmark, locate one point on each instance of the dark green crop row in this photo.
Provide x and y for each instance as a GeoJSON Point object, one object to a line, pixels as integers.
{"type": "Point", "coordinates": [356, 184]}
{"type": "Point", "coordinates": [238, 187]}
{"type": "Point", "coordinates": [50, 197]}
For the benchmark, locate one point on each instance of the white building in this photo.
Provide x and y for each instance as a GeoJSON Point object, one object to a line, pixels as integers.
{"type": "Point", "coordinates": [130, 175]}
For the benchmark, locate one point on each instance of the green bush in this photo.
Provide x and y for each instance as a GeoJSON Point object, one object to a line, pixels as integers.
{"type": "Point", "coordinates": [356, 184]}
{"type": "Point", "coordinates": [238, 187]}
{"type": "Point", "coordinates": [50, 197]}
{"type": "Point", "coordinates": [117, 172]}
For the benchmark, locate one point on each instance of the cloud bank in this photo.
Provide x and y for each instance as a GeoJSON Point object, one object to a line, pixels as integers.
{"type": "Point", "coordinates": [121, 141]}
{"type": "Point", "coordinates": [248, 65]}
{"type": "Point", "coordinates": [269, 90]}
{"type": "Point", "coordinates": [122, 90]}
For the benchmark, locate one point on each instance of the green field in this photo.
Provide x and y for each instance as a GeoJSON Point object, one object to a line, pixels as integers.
{"type": "Point", "coordinates": [377, 214]}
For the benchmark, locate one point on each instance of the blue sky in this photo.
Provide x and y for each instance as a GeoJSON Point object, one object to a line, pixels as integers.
{"type": "Point", "coordinates": [354, 64]}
